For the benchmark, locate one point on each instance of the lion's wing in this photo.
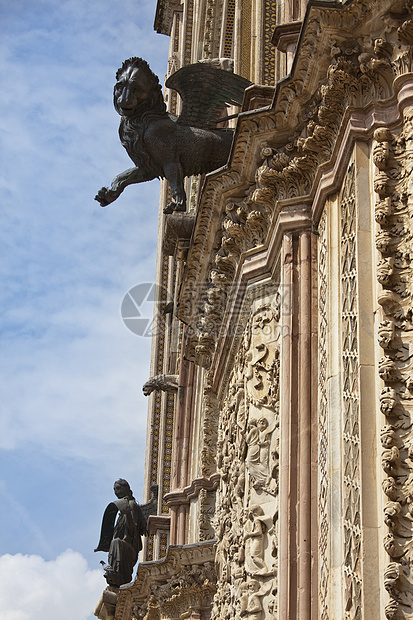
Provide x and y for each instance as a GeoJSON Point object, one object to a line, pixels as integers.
{"type": "Point", "coordinates": [205, 91]}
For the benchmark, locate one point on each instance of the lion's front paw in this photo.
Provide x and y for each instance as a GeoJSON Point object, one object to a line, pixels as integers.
{"type": "Point", "coordinates": [169, 208]}
{"type": "Point", "coordinates": [105, 196]}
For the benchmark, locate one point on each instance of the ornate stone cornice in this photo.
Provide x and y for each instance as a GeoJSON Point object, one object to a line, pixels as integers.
{"type": "Point", "coordinates": [344, 61]}
{"type": "Point", "coordinates": [164, 14]}
{"type": "Point", "coordinates": [158, 522]}
{"type": "Point", "coordinates": [166, 588]}
{"type": "Point", "coordinates": [285, 35]}
{"type": "Point", "coordinates": [184, 496]}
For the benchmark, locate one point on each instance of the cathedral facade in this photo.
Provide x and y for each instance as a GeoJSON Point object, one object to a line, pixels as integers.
{"type": "Point", "coordinates": [280, 427]}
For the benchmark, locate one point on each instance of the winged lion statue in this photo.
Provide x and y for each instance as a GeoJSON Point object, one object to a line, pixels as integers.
{"type": "Point", "coordinates": [162, 144]}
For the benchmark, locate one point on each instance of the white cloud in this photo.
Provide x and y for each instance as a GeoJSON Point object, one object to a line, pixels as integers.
{"type": "Point", "coordinates": [63, 589]}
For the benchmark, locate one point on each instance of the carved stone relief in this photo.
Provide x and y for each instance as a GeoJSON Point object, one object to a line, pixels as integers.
{"type": "Point", "coordinates": [206, 514]}
{"type": "Point", "coordinates": [393, 159]}
{"type": "Point", "coordinates": [246, 519]}
{"type": "Point", "coordinates": [323, 480]}
{"type": "Point", "coordinates": [361, 71]}
{"type": "Point", "coordinates": [351, 397]}
{"type": "Point", "coordinates": [209, 431]}
{"type": "Point", "coordinates": [184, 581]}
{"type": "Point", "coordinates": [163, 383]}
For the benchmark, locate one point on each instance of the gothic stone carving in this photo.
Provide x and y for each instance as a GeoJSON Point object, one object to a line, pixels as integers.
{"type": "Point", "coordinates": [209, 439]}
{"type": "Point", "coordinates": [182, 581]}
{"type": "Point", "coordinates": [247, 501]}
{"type": "Point", "coordinates": [392, 156]}
{"type": "Point", "coordinates": [351, 397]}
{"type": "Point", "coordinates": [323, 417]}
{"type": "Point", "coordinates": [164, 383]}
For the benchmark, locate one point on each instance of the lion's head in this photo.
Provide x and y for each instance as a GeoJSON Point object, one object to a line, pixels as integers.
{"type": "Point", "coordinates": [137, 90]}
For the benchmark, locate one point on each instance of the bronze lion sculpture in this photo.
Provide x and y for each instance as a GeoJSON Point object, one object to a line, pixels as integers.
{"type": "Point", "coordinates": [163, 145]}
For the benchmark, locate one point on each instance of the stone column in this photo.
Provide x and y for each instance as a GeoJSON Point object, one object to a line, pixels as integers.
{"type": "Point", "coordinates": [182, 450]}
{"type": "Point", "coordinates": [286, 540]}
{"type": "Point", "coordinates": [304, 426]}
{"type": "Point", "coordinates": [298, 365]}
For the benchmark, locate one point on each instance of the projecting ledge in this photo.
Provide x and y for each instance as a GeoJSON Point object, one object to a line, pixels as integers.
{"type": "Point", "coordinates": [178, 229]}
{"type": "Point", "coordinates": [158, 522]}
{"type": "Point", "coordinates": [286, 35]}
{"type": "Point", "coordinates": [183, 496]}
{"type": "Point", "coordinates": [106, 607]}
{"type": "Point", "coordinates": [257, 96]}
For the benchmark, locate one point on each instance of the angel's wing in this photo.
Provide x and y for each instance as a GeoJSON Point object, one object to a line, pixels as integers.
{"type": "Point", "coordinates": [151, 507]}
{"type": "Point", "coordinates": [205, 91]}
{"type": "Point", "coordinates": [108, 524]}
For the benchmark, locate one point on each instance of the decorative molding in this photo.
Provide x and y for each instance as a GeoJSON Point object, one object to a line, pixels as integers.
{"type": "Point", "coordinates": [323, 413]}
{"type": "Point", "coordinates": [185, 495]}
{"type": "Point", "coordinates": [158, 522]}
{"type": "Point", "coordinates": [178, 228]}
{"type": "Point", "coordinates": [258, 96]}
{"type": "Point", "coordinates": [393, 158]}
{"type": "Point", "coordinates": [165, 10]}
{"type": "Point", "coordinates": [351, 398]}
{"type": "Point", "coordinates": [168, 588]}
{"type": "Point", "coordinates": [285, 35]}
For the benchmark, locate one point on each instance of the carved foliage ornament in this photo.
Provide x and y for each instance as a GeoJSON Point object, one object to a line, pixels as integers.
{"type": "Point", "coordinates": [323, 420]}
{"type": "Point", "coordinates": [393, 157]}
{"type": "Point", "coordinates": [184, 580]}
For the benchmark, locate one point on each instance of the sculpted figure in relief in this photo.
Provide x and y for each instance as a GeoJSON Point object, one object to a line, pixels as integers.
{"type": "Point", "coordinates": [251, 606]}
{"type": "Point", "coordinates": [254, 530]}
{"type": "Point", "coordinates": [258, 442]}
{"type": "Point", "coordinates": [262, 358]}
{"type": "Point", "coordinates": [247, 457]}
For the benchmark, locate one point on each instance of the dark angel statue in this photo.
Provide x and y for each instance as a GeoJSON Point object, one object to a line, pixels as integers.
{"type": "Point", "coordinates": [123, 539]}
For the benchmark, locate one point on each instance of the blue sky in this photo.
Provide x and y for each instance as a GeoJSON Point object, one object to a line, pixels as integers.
{"type": "Point", "coordinates": [73, 416]}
